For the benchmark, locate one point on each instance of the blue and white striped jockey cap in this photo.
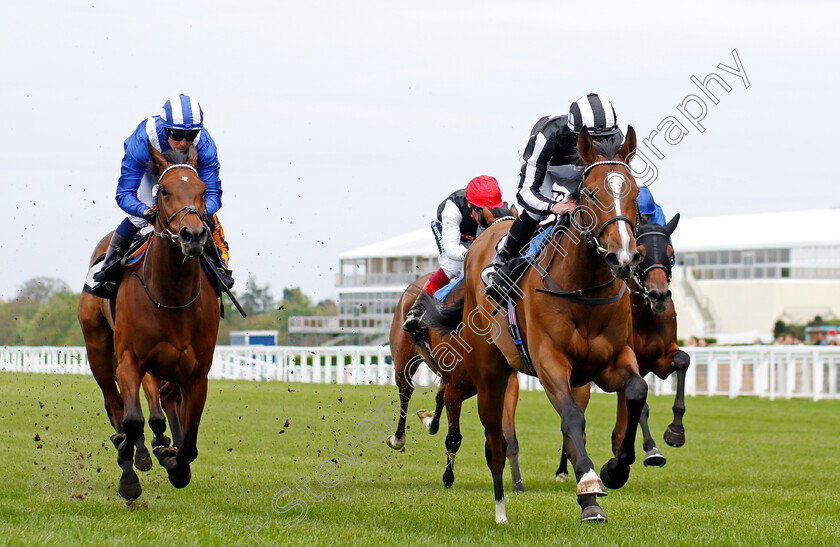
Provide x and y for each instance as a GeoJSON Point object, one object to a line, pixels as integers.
{"type": "Point", "coordinates": [182, 112]}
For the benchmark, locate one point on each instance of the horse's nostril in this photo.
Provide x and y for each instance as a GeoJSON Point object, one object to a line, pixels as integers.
{"type": "Point", "coordinates": [637, 258]}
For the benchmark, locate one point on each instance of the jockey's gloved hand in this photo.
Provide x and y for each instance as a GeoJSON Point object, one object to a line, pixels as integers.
{"type": "Point", "coordinates": [150, 215]}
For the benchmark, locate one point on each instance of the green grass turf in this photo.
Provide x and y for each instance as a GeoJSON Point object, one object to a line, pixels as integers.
{"type": "Point", "coordinates": [753, 472]}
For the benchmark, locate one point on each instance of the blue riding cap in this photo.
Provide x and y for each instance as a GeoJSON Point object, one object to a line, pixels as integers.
{"type": "Point", "coordinates": [645, 201]}
{"type": "Point", "coordinates": [182, 112]}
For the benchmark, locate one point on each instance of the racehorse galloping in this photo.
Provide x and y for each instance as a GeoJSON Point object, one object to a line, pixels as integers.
{"type": "Point", "coordinates": [572, 340]}
{"type": "Point", "coordinates": [164, 327]}
{"type": "Point", "coordinates": [455, 385]}
{"type": "Point", "coordinates": [655, 340]}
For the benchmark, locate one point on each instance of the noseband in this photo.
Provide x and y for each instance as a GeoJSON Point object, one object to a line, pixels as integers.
{"type": "Point", "coordinates": [594, 240]}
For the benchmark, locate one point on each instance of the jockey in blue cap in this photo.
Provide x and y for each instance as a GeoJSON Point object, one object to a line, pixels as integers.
{"type": "Point", "coordinates": [651, 212]}
{"type": "Point", "coordinates": [179, 125]}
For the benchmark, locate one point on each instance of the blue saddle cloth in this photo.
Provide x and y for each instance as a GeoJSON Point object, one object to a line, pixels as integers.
{"type": "Point", "coordinates": [443, 292]}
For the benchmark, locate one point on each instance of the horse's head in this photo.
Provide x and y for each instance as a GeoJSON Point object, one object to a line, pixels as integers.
{"type": "Point", "coordinates": [654, 272]}
{"type": "Point", "coordinates": [180, 200]}
{"type": "Point", "coordinates": [606, 213]}
{"type": "Point", "coordinates": [499, 213]}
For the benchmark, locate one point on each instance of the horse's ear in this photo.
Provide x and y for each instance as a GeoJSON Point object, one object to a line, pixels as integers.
{"type": "Point", "coordinates": [628, 147]}
{"type": "Point", "coordinates": [192, 156]}
{"type": "Point", "coordinates": [160, 162]}
{"type": "Point", "coordinates": [672, 225]}
{"type": "Point", "coordinates": [488, 215]}
{"type": "Point", "coordinates": [514, 211]}
{"type": "Point", "coordinates": [585, 147]}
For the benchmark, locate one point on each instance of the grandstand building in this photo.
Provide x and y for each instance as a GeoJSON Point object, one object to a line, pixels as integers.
{"type": "Point", "coordinates": [735, 277]}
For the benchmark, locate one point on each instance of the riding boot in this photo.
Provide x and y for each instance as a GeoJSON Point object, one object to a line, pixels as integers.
{"type": "Point", "coordinates": [414, 317]}
{"type": "Point", "coordinates": [211, 252]}
{"type": "Point", "coordinates": [116, 251]}
{"type": "Point", "coordinates": [501, 268]}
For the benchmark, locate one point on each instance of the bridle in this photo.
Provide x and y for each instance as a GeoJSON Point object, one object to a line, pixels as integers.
{"type": "Point", "coordinates": [594, 239]}
{"type": "Point", "coordinates": [641, 272]}
{"type": "Point", "coordinates": [186, 210]}
{"type": "Point", "coordinates": [167, 234]}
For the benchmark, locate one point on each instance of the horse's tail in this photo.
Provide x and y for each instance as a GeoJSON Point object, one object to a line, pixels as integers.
{"type": "Point", "coordinates": [440, 317]}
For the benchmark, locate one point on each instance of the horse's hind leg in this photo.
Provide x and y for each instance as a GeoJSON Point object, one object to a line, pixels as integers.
{"type": "Point", "coordinates": [675, 434]}
{"type": "Point", "coordinates": [509, 429]}
{"type": "Point", "coordinates": [191, 408]}
{"type": "Point", "coordinates": [615, 472]}
{"type": "Point", "coordinates": [170, 397]}
{"type": "Point", "coordinates": [128, 378]}
{"type": "Point", "coordinates": [157, 423]}
{"type": "Point", "coordinates": [653, 457]}
{"type": "Point", "coordinates": [432, 419]}
{"type": "Point", "coordinates": [403, 372]}
{"type": "Point", "coordinates": [453, 397]}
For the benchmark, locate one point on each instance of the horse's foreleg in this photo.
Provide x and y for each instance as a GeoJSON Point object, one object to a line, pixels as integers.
{"type": "Point", "coordinates": [128, 378]}
{"type": "Point", "coordinates": [581, 395]}
{"type": "Point", "coordinates": [675, 434]}
{"type": "Point", "coordinates": [403, 374]}
{"type": "Point", "coordinates": [491, 395]}
{"type": "Point", "coordinates": [616, 471]}
{"type": "Point", "coordinates": [509, 429]}
{"type": "Point", "coordinates": [157, 423]}
{"type": "Point", "coordinates": [555, 380]}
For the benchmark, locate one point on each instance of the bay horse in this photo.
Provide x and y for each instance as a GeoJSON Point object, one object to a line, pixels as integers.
{"type": "Point", "coordinates": [654, 340]}
{"type": "Point", "coordinates": [574, 315]}
{"type": "Point", "coordinates": [455, 384]}
{"type": "Point", "coordinates": [163, 328]}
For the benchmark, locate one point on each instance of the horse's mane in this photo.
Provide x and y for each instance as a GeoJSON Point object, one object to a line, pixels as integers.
{"type": "Point", "coordinates": [503, 211]}
{"type": "Point", "coordinates": [605, 146]}
{"type": "Point", "coordinates": [172, 156]}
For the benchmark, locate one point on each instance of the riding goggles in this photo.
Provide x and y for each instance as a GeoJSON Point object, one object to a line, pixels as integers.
{"type": "Point", "coordinates": [178, 135]}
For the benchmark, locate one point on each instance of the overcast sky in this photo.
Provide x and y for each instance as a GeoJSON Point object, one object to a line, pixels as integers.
{"type": "Point", "coordinates": [340, 124]}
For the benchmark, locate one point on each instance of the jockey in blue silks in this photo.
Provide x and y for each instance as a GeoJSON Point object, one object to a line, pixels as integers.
{"type": "Point", "coordinates": [651, 212]}
{"type": "Point", "coordinates": [179, 125]}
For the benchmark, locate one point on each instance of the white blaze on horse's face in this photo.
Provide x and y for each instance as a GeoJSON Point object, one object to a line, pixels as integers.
{"type": "Point", "coordinates": [619, 188]}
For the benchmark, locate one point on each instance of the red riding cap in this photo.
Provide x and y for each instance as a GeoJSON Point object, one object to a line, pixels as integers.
{"type": "Point", "coordinates": [483, 191]}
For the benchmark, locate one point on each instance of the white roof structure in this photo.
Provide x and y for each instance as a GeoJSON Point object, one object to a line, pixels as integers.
{"type": "Point", "coordinates": [417, 243]}
{"type": "Point", "coordinates": [758, 231]}
{"type": "Point", "coordinates": [747, 231]}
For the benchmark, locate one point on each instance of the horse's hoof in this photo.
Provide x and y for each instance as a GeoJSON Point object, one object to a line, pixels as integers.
{"type": "Point", "coordinates": [143, 463]}
{"type": "Point", "coordinates": [590, 484]}
{"type": "Point", "coordinates": [180, 480]}
{"type": "Point", "coordinates": [394, 442]}
{"type": "Point", "coordinates": [448, 478]}
{"type": "Point", "coordinates": [593, 513]}
{"type": "Point", "coordinates": [130, 491]}
{"type": "Point", "coordinates": [518, 486]}
{"type": "Point", "coordinates": [427, 418]}
{"type": "Point", "coordinates": [614, 476]}
{"type": "Point", "coordinates": [166, 455]}
{"type": "Point", "coordinates": [561, 477]}
{"type": "Point", "coordinates": [164, 441]}
{"type": "Point", "coordinates": [654, 458]}
{"type": "Point", "coordinates": [674, 437]}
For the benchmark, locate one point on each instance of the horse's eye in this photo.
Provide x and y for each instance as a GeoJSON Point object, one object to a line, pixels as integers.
{"type": "Point", "coordinates": [163, 191]}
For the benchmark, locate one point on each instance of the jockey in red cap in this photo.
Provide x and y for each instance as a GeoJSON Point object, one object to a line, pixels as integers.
{"type": "Point", "coordinates": [460, 220]}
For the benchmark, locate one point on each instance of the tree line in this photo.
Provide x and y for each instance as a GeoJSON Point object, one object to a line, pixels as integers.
{"type": "Point", "coordinates": [43, 313]}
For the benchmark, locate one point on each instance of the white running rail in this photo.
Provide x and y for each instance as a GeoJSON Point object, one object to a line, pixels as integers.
{"type": "Point", "coordinates": [764, 371]}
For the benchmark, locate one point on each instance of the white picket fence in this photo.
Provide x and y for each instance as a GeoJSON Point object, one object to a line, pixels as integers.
{"type": "Point", "coordinates": [765, 371]}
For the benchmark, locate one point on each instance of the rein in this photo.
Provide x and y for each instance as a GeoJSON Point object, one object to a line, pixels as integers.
{"type": "Point", "coordinates": [154, 300]}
